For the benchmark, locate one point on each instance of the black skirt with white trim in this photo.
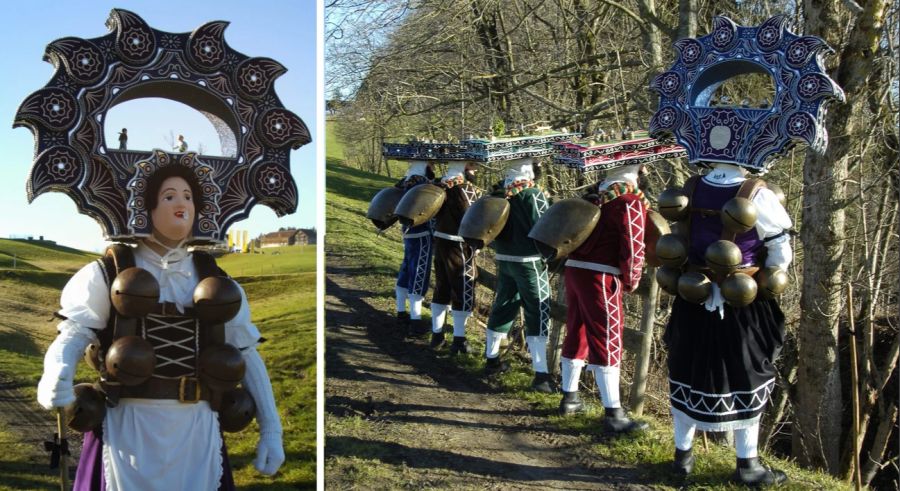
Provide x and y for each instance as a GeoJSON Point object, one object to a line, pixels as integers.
{"type": "Point", "coordinates": [721, 370]}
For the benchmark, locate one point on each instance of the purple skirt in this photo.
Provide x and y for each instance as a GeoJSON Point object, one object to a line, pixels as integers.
{"type": "Point", "coordinates": [89, 475]}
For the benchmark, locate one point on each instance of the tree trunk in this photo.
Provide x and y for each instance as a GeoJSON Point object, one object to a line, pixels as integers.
{"type": "Point", "coordinates": [817, 429]}
{"type": "Point", "coordinates": [687, 19]}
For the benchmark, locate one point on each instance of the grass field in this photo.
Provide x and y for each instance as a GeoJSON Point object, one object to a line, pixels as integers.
{"type": "Point", "coordinates": [350, 234]}
{"type": "Point", "coordinates": [281, 290]}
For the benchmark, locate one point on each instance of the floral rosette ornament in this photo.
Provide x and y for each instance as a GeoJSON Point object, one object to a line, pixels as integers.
{"type": "Point", "coordinates": [745, 136]}
{"type": "Point", "coordinates": [199, 69]}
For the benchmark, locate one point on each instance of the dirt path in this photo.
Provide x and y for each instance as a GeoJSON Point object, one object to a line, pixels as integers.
{"type": "Point", "coordinates": [29, 426]}
{"type": "Point", "coordinates": [397, 415]}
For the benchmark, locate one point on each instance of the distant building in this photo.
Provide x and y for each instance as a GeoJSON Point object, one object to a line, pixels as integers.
{"type": "Point", "coordinates": [288, 237]}
{"type": "Point", "coordinates": [310, 235]}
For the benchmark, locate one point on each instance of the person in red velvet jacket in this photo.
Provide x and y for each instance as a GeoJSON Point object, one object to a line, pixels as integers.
{"type": "Point", "coordinates": [607, 264]}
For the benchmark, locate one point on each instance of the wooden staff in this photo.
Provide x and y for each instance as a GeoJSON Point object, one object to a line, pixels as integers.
{"type": "Point", "coordinates": [854, 382]}
{"type": "Point", "coordinates": [63, 449]}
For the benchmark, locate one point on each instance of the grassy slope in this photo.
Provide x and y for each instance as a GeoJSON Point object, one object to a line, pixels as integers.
{"type": "Point", "coordinates": [348, 192]}
{"type": "Point", "coordinates": [283, 307]}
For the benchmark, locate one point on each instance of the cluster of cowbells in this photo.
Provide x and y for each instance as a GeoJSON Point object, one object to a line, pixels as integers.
{"type": "Point", "coordinates": [131, 360]}
{"type": "Point", "coordinates": [723, 258]}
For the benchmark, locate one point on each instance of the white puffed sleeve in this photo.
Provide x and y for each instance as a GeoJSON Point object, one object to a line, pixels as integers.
{"type": "Point", "coordinates": [85, 305]}
{"type": "Point", "coordinates": [772, 224]}
{"type": "Point", "coordinates": [239, 331]}
{"type": "Point", "coordinates": [85, 298]}
{"type": "Point", "coordinates": [772, 219]}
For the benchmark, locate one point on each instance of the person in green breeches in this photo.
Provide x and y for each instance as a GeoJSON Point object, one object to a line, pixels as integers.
{"type": "Point", "coordinates": [521, 275]}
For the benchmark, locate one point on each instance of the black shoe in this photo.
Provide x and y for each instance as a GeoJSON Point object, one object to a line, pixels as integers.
{"type": "Point", "coordinates": [460, 345]}
{"type": "Point", "coordinates": [543, 382]}
{"type": "Point", "coordinates": [570, 404]}
{"type": "Point", "coordinates": [615, 421]}
{"type": "Point", "coordinates": [684, 462]}
{"type": "Point", "coordinates": [417, 328]}
{"type": "Point", "coordinates": [493, 366]}
{"type": "Point", "coordinates": [437, 339]}
{"type": "Point", "coordinates": [402, 321]}
{"type": "Point", "coordinates": [751, 473]}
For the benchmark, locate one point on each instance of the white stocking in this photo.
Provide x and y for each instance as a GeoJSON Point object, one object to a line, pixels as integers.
{"type": "Point", "coordinates": [459, 322]}
{"type": "Point", "coordinates": [402, 295]}
{"type": "Point", "coordinates": [492, 343]}
{"type": "Point", "coordinates": [571, 373]}
{"type": "Point", "coordinates": [415, 306]}
{"type": "Point", "coordinates": [684, 433]}
{"type": "Point", "coordinates": [608, 383]}
{"type": "Point", "coordinates": [746, 441]}
{"type": "Point", "coordinates": [537, 346]}
{"type": "Point", "coordinates": [438, 315]}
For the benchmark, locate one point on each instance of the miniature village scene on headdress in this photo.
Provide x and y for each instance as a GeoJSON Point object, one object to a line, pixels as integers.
{"type": "Point", "coordinates": [597, 245]}
{"type": "Point", "coordinates": [153, 356]}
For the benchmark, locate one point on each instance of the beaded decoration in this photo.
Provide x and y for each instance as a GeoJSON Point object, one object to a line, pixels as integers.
{"type": "Point", "coordinates": [518, 186]}
{"type": "Point", "coordinates": [618, 189]}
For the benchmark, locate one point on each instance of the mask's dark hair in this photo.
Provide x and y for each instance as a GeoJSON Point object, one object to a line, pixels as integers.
{"type": "Point", "coordinates": [151, 194]}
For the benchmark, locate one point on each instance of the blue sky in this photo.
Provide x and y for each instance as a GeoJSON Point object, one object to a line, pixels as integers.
{"type": "Point", "coordinates": [284, 30]}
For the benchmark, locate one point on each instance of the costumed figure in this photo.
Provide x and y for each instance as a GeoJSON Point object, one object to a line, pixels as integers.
{"type": "Point", "coordinates": [454, 259]}
{"type": "Point", "coordinates": [726, 328]}
{"type": "Point", "coordinates": [598, 272]}
{"type": "Point", "coordinates": [180, 145]}
{"type": "Point", "coordinates": [168, 331]}
{"type": "Point", "coordinates": [522, 279]}
{"type": "Point", "coordinates": [415, 270]}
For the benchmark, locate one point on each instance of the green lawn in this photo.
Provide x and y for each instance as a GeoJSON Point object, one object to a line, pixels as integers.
{"type": "Point", "coordinates": [282, 293]}
{"type": "Point", "coordinates": [271, 260]}
{"type": "Point", "coordinates": [41, 256]}
{"type": "Point", "coordinates": [377, 257]}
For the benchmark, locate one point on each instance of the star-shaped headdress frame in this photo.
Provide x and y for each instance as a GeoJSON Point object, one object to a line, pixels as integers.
{"type": "Point", "coordinates": [745, 136]}
{"type": "Point", "coordinates": [234, 91]}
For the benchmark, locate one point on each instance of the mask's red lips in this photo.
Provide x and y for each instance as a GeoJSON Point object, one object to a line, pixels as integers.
{"type": "Point", "coordinates": [180, 214]}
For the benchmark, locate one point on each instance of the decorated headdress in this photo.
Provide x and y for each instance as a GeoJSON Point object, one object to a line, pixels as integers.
{"type": "Point", "coordinates": [477, 149]}
{"type": "Point", "coordinates": [745, 136]}
{"type": "Point", "coordinates": [234, 91]}
{"type": "Point", "coordinates": [588, 156]}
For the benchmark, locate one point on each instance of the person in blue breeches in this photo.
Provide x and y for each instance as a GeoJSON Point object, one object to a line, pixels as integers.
{"type": "Point", "coordinates": [415, 270]}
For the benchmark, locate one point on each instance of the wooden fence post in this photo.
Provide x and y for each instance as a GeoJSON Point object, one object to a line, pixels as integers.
{"type": "Point", "coordinates": [642, 363]}
{"type": "Point", "coordinates": [557, 326]}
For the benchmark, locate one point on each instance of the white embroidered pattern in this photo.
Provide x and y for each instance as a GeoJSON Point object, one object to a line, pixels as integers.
{"type": "Point", "coordinates": [468, 279]}
{"type": "Point", "coordinates": [422, 266]}
{"type": "Point", "coordinates": [721, 404]}
{"type": "Point", "coordinates": [634, 213]}
{"type": "Point", "coordinates": [613, 328]}
{"type": "Point", "coordinates": [543, 284]}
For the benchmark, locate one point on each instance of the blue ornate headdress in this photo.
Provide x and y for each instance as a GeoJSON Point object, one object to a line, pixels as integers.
{"type": "Point", "coordinates": [744, 136]}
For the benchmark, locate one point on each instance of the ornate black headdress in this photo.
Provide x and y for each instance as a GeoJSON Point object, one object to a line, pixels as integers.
{"type": "Point", "coordinates": [234, 91]}
{"type": "Point", "coordinates": [745, 136]}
